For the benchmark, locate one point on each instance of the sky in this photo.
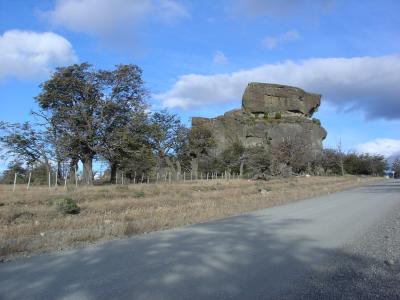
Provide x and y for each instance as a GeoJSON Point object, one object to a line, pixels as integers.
{"type": "Point", "coordinates": [197, 56]}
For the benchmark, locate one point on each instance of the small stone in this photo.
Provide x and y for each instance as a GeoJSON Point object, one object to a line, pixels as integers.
{"type": "Point", "coordinates": [107, 222]}
{"type": "Point", "coordinates": [42, 234]}
{"type": "Point", "coordinates": [263, 191]}
{"type": "Point", "coordinates": [389, 262]}
{"type": "Point", "coordinates": [37, 222]}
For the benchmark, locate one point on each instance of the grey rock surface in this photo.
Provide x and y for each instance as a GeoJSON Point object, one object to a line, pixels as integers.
{"type": "Point", "coordinates": [272, 98]}
{"type": "Point", "coordinates": [257, 123]}
{"type": "Point", "coordinates": [329, 247]}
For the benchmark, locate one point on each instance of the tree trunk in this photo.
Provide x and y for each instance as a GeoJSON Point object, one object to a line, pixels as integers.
{"type": "Point", "coordinates": [113, 172]}
{"type": "Point", "coordinates": [88, 170]}
{"type": "Point", "coordinates": [48, 166]}
{"type": "Point", "coordinates": [73, 167]}
{"type": "Point", "coordinates": [341, 165]}
{"type": "Point", "coordinates": [178, 167]}
{"type": "Point", "coordinates": [170, 165]}
{"type": "Point", "coordinates": [195, 165]}
{"type": "Point", "coordinates": [59, 172]}
{"type": "Point", "coordinates": [241, 168]}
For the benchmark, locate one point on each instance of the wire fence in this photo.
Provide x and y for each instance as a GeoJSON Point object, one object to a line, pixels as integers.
{"type": "Point", "coordinates": [54, 182]}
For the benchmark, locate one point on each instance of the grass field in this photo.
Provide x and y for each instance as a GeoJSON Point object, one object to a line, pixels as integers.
{"type": "Point", "coordinates": [30, 222]}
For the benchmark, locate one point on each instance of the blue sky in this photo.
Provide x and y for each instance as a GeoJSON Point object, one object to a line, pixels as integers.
{"type": "Point", "coordinates": [197, 56]}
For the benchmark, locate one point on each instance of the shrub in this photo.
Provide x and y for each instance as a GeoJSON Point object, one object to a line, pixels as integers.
{"type": "Point", "coordinates": [67, 205]}
{"type": "Point", "coordinates": [122, 188]}
{"type": "Point", "coordinates": [316, 121]}
{"type": "Point", "coordinates": [278, 115]}
{"type": "Point", "coordinates": [139, 194]}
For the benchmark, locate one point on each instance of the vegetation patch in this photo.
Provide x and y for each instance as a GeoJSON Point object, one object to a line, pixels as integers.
{"type": "Point", "coordinates": [316, 121]}
{"type": "Point", "coordinates": [38, 227]}
{"type": "Point", "coordinates": [66, 205]}
{"type": "Point", "coordinates": [139, 194]}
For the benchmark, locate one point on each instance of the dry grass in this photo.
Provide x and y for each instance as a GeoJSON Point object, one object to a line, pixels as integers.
{"type": "Point", "coordinates": [30, 223]}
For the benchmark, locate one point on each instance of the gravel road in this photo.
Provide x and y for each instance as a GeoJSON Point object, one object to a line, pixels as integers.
{"type": "Point", "coordinates": [340, 246]}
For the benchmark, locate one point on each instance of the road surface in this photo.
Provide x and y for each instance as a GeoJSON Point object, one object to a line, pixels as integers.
{"type": "Point", "coordinates": [293, 251]}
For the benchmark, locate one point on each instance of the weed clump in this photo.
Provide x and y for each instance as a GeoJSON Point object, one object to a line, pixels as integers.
{"type": "Point", "coordinates": [316, 121]}
{"type": "Point", "coordinates": [67, 205]}
{"type": "Point", "coordinates": [139, 194]}
{"type": "Point", "coordinates": [278, 115]}
{"type": "Point", "coordinates": [122, 188]}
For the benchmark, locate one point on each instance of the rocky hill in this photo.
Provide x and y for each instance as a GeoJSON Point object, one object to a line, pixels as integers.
{"type": "Point", "coordinates": [269, 113]}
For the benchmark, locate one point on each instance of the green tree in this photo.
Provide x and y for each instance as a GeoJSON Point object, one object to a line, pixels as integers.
{"type": "Point", "coordinates": [123, 124]}
{"type": "Point", "coordinates": [257, 160]}
{"type": "Point", "coordinates": [23, 143]}
{"type": "Point", "coordinates": [201, 141]}
{"type": "Point", "coordinates": [72, 99]}
{"type": "Point", "coordinates": [92, 109]}
{"type": "Point", "coordinates": [168, 136]}
{"type": "Point", "coordinates": [15, 167]}
{"type": "Point", "coordinates": [233, 158]}
{"type": "Point", "coordinates": [396, 168]}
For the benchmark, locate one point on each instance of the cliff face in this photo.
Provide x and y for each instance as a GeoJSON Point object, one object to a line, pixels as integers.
{"type": "Point", "coordinates": [269, 113]}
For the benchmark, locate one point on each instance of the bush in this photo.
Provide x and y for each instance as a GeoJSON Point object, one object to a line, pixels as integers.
{"type": "Point", "coordinates": [122, 188]}
{"type": "Point", "coordinates": [67, 205]}
{"type": "Point", "coordinates": [316, 121]}
{"type": "Point", "coordinates": [139, 194]}
{"type": "Point", "coordinates": [278, 115]}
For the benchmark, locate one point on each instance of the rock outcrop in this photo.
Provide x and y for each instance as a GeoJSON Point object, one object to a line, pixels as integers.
{"type": "Point", "coordinates": [270, 112]}
{"type": "Point", "coordinates": [272, 98]}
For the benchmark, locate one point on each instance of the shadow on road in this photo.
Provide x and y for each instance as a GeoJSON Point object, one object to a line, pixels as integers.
{"type": "Point", "coordinates": [239, 258]}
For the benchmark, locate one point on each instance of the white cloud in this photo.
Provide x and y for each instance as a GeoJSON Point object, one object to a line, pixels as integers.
{"type": "Point", "coordinates": [220, 58]}
{"type": "Point", "coordinates": [370, 84]}
{"type": "Point", "coordinates": [109, 17]}
{"type": "Point", "coordinates": [289, 36]}
{"type": "Point", "coordinates": [171, 10]}
{"type": "Point", "coordinates": [28, 54]}
{"type": "Point", "coordinates": [386, 147]}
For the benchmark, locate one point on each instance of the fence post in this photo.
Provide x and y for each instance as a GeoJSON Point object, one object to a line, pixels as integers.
{"type": "Point", "coordinates": [122, 178]}
{"type": "Point", "coordinates": [169, 177]}
{"type": "Point", "coordinates": [65, 181]}
{"type": "Point", "coordinates": [29, 181]}
{"type": "Point", "coordinates": [49, 180]}
{"type": "Point", "coordinates": [15, 181]}
{"type": "Point", "coordinates": [184, 176]}
{"type": "Point", "coordinates": [76, 177]}
{"type": "Point", "coordinates": [56, 184]}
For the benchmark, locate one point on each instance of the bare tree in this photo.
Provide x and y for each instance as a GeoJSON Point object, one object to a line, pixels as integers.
{"type": "Point", "coordinates": [291, 154]}
{"type": "Point", "coordinates": [340, 156]}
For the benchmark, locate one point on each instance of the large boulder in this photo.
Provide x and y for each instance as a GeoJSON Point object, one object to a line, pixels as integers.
{"type": "Point", "coordinates": [270, 112]}
{"type": "Point", "coordinates": [273, 98]}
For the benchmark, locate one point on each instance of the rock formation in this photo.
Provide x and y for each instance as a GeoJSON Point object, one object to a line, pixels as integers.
{"type": "Point", "coordinates": [270, 112]}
